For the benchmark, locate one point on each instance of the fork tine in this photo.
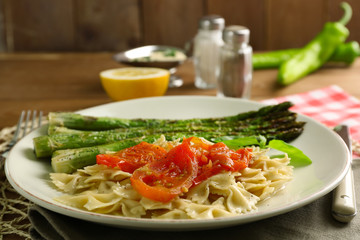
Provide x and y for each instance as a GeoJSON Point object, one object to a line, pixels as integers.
{"type": "Point", "coordinates": [40, 118]}
{"type": "Point", "coordinates": [26, 122]}
{"type": "Point", "coordinates": [21, 125]}
{"type": "Point", "coordinates": [18, 127]}
{"type": "Point", "coordinates": [33, 120]}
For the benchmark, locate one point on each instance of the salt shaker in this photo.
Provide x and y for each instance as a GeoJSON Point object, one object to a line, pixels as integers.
{"type": "Point", "coordinates": [207, 43]}
{"type": "Point", "coordinates": [235, 76]}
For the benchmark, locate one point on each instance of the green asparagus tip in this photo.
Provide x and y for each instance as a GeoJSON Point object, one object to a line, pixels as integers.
{"type": "Point", "coordinates": [42, 146]}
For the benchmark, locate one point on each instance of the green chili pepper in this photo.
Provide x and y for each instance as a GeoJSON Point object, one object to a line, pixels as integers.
{"type": "Point", "coordinates": [345, 53]}
{"type": "Point", "coordinates": [317, 51]}
{"type": "Point", "coordinates": [272, 59]}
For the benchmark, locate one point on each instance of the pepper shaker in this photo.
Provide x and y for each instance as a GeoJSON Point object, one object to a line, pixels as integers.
{"type": "Point", "coordinates": [207, 43]}
{"type": "Point", "coordinates": [235, 68]}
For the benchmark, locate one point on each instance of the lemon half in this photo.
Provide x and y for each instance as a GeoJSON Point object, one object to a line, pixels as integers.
{"type": "Point", "coordinates": [134, 82]}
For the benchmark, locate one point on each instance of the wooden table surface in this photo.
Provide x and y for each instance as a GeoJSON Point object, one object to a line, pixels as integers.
{"type": "Point", "coordinates": [70, 81]}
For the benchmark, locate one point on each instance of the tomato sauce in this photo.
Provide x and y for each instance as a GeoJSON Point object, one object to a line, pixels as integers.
{"type": "Point", "coordinates": [160, 175]}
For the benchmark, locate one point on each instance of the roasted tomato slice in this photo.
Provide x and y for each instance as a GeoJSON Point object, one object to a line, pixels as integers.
{"type": "Point", "coordinates": [130, 159]}
{"type": "Point", "coordinates": [220, 158]}
{"type": "Point", "coordinates": [164, 179]}
{"type": "Point", "coordinates": [242, 158]}
{"type": "Point", "coordinates": [201, 149]}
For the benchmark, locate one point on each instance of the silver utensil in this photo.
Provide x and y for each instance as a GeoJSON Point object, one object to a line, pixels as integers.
{"type": "Point", "coordinates": [344, 201]}
{"type": "Point", "coordinates": [24, 125]}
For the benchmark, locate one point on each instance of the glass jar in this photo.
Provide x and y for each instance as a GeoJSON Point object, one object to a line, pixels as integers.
{"type": "Point", "coordinates": [207, 45]}
{"type": "Point", "coordinates": [235, 76]}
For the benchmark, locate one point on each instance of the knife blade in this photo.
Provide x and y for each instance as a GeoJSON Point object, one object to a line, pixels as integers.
{"type": "Point", "coordinates": [344, 201]}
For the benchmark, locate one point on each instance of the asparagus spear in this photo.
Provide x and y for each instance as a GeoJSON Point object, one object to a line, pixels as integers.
{"type": "Point", "coordinates": [259, 121]}
{"type": "Point", "coordinates": [69, 160]}
{"type": "Point", "coordinates": [45, 145]}
{"type": "Point", "coordinates": [77, 121]}
{"type": "Point", "coordinates": [281, 120]}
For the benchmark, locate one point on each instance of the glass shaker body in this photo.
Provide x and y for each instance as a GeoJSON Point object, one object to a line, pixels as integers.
{"type": "Point", "coordinates": [207, 44]}
{"type": "Point", "coordinates": [235, 68]}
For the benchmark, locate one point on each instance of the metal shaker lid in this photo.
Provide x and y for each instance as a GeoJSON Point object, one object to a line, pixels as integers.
{"type": "Point", "coordinates": [211, 22]}
{"type": "Point", "coordinates": [236, 35]}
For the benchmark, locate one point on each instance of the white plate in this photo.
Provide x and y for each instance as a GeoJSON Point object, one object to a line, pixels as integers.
{"type": "Point", "coordinates": [331, 160]}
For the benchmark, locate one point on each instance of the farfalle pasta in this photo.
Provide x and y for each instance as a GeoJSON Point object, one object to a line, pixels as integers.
{"type": "Point", "coordinates": [101, 189]}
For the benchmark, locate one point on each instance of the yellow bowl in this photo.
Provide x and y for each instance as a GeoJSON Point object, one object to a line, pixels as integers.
{"type": "Point", "coordinates": [134, 82]}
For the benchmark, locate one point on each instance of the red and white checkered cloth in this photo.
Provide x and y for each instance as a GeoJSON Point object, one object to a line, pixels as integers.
{"type": "Point", "coordinates": [331, 106]}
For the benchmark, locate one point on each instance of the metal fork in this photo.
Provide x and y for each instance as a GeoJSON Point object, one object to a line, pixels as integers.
{"type": "Point", "coordinates": [22, 129]}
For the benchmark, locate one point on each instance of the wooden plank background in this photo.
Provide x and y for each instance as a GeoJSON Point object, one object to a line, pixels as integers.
{"type": "Point", "coordinates": [115, 25]}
